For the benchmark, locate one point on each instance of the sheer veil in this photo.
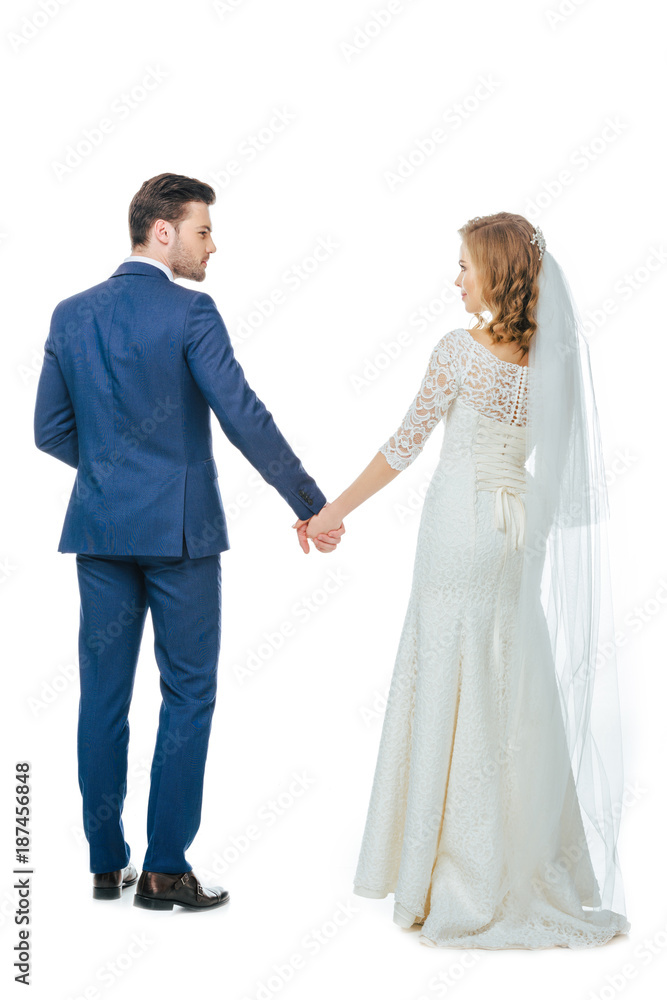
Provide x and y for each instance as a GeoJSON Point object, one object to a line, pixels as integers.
{"type": "Point", "coordinates": [562, 676]}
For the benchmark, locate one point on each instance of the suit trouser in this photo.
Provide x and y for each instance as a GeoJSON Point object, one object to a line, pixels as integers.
{"type": "Point", "coordinates": [184, 597]}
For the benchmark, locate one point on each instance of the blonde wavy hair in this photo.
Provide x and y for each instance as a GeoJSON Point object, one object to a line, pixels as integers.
{"type": "Point", "coordinates": [507, 265]}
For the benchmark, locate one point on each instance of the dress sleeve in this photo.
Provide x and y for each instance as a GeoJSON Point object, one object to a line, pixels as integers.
{"type": "Point", "coordinates": [438, 389]}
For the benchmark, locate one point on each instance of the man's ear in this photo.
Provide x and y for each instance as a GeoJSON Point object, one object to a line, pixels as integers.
{"type": "Point", "coordinates": [162, 231]}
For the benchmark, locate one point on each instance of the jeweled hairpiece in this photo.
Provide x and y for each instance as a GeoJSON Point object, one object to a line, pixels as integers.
{"type": "Point", "coordinates": [538, 238]}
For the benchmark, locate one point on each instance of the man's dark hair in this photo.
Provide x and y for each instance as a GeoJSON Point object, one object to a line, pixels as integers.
{"type": "Point", "coordinates": [164, 197]}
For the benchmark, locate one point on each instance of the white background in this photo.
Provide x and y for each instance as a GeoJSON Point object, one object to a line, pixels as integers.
{"type": "Point", "coordinates": [359, 97]}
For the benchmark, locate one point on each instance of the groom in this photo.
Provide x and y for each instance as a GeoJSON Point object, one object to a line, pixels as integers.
{"type": "Point", "coordinates": [132, 369]}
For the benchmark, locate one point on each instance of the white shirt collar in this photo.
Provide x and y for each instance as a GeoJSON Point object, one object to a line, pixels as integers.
{"type": "Point", "coordinates": [151, 260]}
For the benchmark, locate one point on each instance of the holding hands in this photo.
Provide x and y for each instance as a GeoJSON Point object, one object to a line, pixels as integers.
{"type": "Point", "coordinates": [324, 529]}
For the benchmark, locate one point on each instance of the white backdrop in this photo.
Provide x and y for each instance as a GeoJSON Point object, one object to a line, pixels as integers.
{"type": "Point", "coordinates": [372, 130]}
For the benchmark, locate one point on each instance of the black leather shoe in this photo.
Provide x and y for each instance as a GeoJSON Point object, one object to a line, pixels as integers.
{"type": "Point", "coordinates": [159, 891]}
{"type": "Point", "coordinates": [109, 885]}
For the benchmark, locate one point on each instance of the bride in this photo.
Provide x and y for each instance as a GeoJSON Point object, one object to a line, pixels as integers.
{"type": "Point", "coordinates": [494, 809]}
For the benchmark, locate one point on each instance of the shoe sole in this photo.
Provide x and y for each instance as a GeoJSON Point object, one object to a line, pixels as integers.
{"type": "Point", "coordinates": [112, 891]}
{"type": "Point", "coordinates": [146, 903]}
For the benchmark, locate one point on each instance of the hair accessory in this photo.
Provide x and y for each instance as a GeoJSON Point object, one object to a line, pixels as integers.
{"type": "Point", "coordinates": [538, 237]}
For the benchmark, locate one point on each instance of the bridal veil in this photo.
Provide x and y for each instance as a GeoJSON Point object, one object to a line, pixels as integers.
{"type": "Point", "coordinates": [562, 670]}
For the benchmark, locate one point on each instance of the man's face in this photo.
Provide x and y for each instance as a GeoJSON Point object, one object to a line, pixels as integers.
{"type": "Point", "coordinates": [191, 244]}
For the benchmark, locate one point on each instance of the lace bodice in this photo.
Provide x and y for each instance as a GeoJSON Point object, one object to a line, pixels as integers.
{"type": "Point", "coordinates": [459, 368]}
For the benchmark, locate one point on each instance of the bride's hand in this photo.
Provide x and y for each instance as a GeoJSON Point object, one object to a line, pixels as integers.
{"type": "Point", "coordinates": [328, 520]}
{"type": "Point", "coordinates": [324, 530]}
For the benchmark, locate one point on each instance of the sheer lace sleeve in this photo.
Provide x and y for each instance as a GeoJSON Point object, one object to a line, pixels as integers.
{"type": "Point", "coordinates": [429, 406]}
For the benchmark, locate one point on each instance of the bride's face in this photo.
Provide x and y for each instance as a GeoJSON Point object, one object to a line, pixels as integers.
{"type": "Point", "coordinates": [469, 284]}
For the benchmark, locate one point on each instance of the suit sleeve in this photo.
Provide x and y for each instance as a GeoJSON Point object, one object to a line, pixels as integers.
{"type": "Point", "coordinates": [242, 415]}
{"type": "Point", "coordinates": [55, 422]}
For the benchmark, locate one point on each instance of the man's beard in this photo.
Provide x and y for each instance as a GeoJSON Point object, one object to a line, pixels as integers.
{"type": "Point", "coordinates": [184, 264]}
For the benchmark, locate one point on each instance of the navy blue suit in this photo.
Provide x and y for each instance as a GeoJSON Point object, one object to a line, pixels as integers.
{"type": "Point", "coordinates": [132, 369]}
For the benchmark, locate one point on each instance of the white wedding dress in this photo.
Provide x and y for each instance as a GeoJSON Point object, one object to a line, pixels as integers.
{"type": "Point", "coordinates": [441, 806]}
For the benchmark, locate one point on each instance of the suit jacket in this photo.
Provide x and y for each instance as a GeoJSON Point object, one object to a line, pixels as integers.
{"type": "Point", "coordinates": [132, 369]}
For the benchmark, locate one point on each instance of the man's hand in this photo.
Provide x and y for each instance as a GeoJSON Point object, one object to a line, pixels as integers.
{"type": "Point", "coordinates": [323, 529]}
